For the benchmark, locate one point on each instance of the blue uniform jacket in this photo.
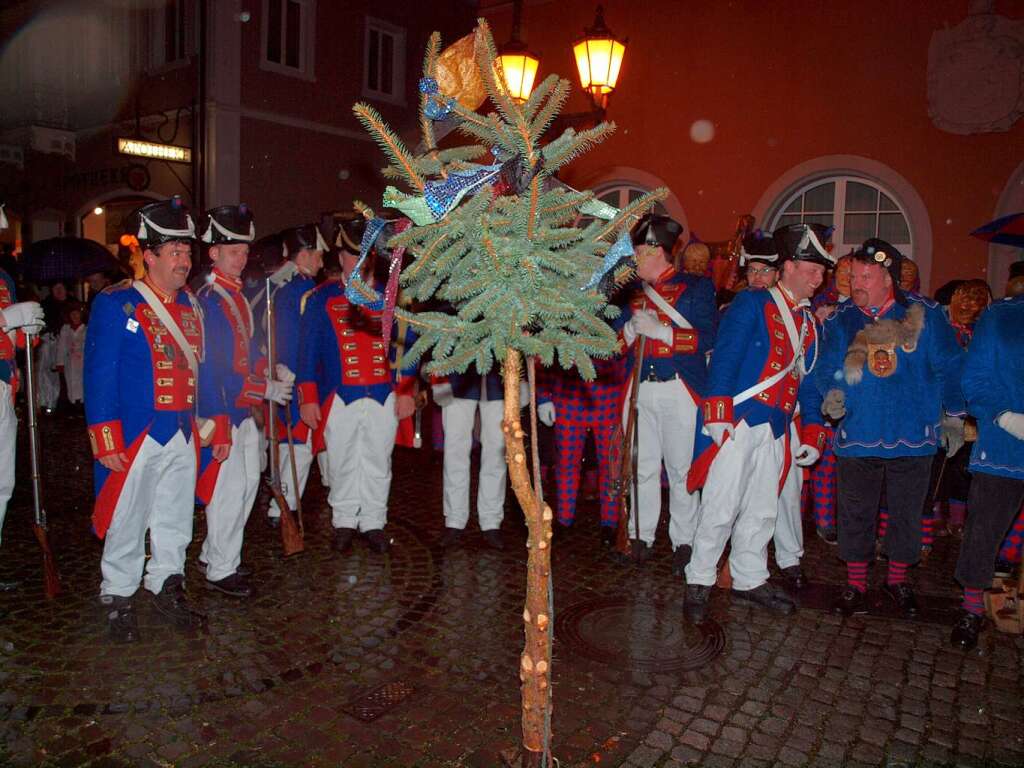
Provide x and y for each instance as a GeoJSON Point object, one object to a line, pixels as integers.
{"type": "Point", "coordinates": [694, 298]}
{"type": "Point", "coordinates": [467, 385]}
{"type": "Point", "coordinates": [339, 354]}
{"type": "Point", "coordinates": [899, 414]}
{"type": "Point", "coordinates": [993, 382]}
{"type": "Point", "coordinates": [7, 346]}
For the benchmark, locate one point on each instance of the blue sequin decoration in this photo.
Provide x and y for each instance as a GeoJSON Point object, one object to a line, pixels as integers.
{"type": "Point", "coordinates": [622, 248]}
{"type": "Point", "coordinates": [442, 196]}
{"type": "Point", "coordinates": [374, 227]}
{"type": "Point", "coordinates": [428, 85]}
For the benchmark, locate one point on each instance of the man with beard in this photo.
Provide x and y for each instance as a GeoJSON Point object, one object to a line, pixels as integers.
{"type": "Point", "coordinates": [890, 366]}
{"type": "Point", "coordinates": [766, 346]}
{"type": "Point", "coordinates": [142, 350]}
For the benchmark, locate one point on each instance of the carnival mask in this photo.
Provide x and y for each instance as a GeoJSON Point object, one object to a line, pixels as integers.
{"type": "Point", "coordinates": [843, 277]}
{"type": "Point", "coordinates": [968, 301]}
{"type": "Point", "coordinates": [696, 258]}
{"type": "Point", "coordinates": [908, 275]}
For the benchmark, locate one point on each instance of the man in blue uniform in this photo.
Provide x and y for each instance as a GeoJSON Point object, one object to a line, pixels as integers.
{"type": "Point", "coordinates": [890, 365]}
{"type": "Point", "coordinates": [304, 257]}
{"type": "Point", "coordinates": [767, 344]}
{"type": "Point", "coordinates": [348, 390]}
{"type": "Point", "coordinates": [675, 315]}
{"type": "Point", "coordinates": [15, 317]}
{"type": "Point", "coordinates": [230, 387]}
{"type": "Point", "coordinates": [993, 383]}
{"type": "Point", "coordinates": [142, 348]}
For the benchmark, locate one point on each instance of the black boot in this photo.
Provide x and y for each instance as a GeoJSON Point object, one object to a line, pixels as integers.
{"type": "Point", "coordinates": [794, 576]}
{"type": "Point", "coordinates": [377, 541]}
{"type": "Point", "coordinates": [966, 630]}
{"type": "Point", "coordinates": [493, 539]}
{"type": "Point", "coordinates": [695, 605]}
{"type": "Point", "coordinates": [451, 537]}
{"type": "Point", "coordinates": [343, 538]}
{"type": "Point", "coordinates": [851, 602]}
{"type": "Point", "coordinates": [767, 596]}
{"type": "Point", "coordinates": [234, 585]}
{"type": "Point", "coordinates": [608, 534]}
{"type": "Point", "coordinates": [681, 559]}
{"type": "Point", "coordinates": [172, 604]}
{"type": "Point", "coordinates": [121, 620]}
{"type": "Point", "coordinates": [903, 596]}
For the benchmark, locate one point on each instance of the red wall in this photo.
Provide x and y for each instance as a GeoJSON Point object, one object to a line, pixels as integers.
{"type": "Point", "coordinates": [784, 83]}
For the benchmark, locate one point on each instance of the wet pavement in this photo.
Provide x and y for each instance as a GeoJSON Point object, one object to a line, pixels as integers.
{"type": "Point", "coordinates": [412, 658]}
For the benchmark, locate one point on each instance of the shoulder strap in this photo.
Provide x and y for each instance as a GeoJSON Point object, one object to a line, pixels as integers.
{"type": "Point", "coordinates": [233, 309]}
{"type": "Point", "coordinates": [170, 323]}
{"type": "Point", "coordinates": [668, 309]}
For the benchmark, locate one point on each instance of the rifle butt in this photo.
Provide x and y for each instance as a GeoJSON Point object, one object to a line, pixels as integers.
{"type": "Point", "coordinates": [51, 579]}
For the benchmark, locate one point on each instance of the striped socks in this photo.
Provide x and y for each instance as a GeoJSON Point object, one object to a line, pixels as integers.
{"type": "Point", "coordinates": [973, 601]}
{"type": "Point", "coordinates": [857, 576]}
{"type": "Point", "coordinates": [897, 573]}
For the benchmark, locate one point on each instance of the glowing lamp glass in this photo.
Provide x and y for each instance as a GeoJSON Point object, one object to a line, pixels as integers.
{"type": "Point", "coordinates": [519, 70]}
{"type": "Point", "coordinates": [599, 60]}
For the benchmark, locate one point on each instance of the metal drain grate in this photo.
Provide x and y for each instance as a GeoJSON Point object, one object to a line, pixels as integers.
{"type": "Point", "coordinates": [378, 701]}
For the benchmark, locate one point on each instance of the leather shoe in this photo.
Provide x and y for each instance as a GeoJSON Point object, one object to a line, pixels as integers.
{"type": "Point", "coordinates": [121, 619]}
{"type": "Point", "coordinates": [966, 630]}
{"type": "Point", "coordinates": [681, 559]}
{"type": "Point", "coordinates": [640, 552]}
{"type": "Point", "coordinates": [242, 570]}
{"type": "Point", "coordinates": [794, 576]}
{"type": "Point", "coordinates": [343, 538]}
{"type": "Point", "coordinates": [851, 602]}
{"type": "Point", "coordinates": [767, 596]}
{"type": "Point", "coordinates": [451, 537]}
{"type": "Point", "coordinates": [903, 596]}
{"type": "Point", "coordinates": [492, 539]}
{"type": "Point", "coordinates": [608, 534]}
{"type": "Point", "coordinates": [829, 535]}
{"type": "Point", "coordinates": [377, 540]}
{"type": "Point", "coordinates": [695, 602]}
{"type": "Point", "coordinates": [233, 585]}
{"type": "Point", "coordinates": [172, 604]}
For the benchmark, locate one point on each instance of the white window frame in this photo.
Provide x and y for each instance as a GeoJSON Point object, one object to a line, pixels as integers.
{"type": "Point", "coordinates": [397, 96]}
{"type": "Point", "coordinates": [155, 61]}
{"type": "Point", "coordinates": [838, 211]}
{"type": "Point", "coordinates": [307, 40]}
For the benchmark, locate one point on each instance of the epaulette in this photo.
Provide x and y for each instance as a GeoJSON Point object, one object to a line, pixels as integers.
{"type": "Point", "coordinates": [124, 284]}
{"type": "Point", "coordinates": [306, 295]}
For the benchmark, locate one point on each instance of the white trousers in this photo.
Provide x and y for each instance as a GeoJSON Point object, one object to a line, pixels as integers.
{"type": "Point", "coordinates": [8, 441]}
{"type": "Point", "coordinates": [789, 530]}
{"type": "Point", "coordinates": [157, 497]}
{"type": "Point", "coordinates": [303, 460]}
{"type": "Point", "coordinates": [233, 496]}
{"type": "Point", "coordinates": [741, 500]}
{"type": "Point", "coordinates": [666, 421]}
{"type": "Point", "coordinates": [458, 418]}
{"type": "Point", "coordinates": [47, 379]}
{"type": "Point", "coordinates": [360, 437]}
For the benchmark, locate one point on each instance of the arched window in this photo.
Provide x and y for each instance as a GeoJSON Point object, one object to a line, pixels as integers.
{"type": "Point", "coordinates": [857, 207]}
{"type": "Point", "coordinates": [622, 194]}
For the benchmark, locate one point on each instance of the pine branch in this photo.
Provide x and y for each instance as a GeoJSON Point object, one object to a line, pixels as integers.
{"type": "Point", "coordinates": [551, 110]}
{"type": "Point", "coordinates": [584, 141]}
{"type": "Point", "coordinates": [389, 142]}
{"type": "Point", "coordinates": [636, 209]}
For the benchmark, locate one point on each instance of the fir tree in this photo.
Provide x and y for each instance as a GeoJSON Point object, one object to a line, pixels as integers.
{"type": "Point", "coordinates": [494, 236]}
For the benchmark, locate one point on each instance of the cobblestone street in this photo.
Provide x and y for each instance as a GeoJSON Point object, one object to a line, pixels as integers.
{"type": "Point", "coordinates": [426, 641]}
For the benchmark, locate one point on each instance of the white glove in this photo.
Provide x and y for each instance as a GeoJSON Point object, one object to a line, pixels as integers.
{"type": "Point", "coordinates": [283, 373]}
{"type": "Point", "coordinates": [834, 405]}
{"type": "Point", "coordinates": [719, 430]}
{"type": "Point", "coordinates": [443, 394]}
{"type": "Point", "coordinates": [547, 414]}
{"type": "Point", "coordinates": [279, 392]}
{"type": "Point", "coordinates": [646, 322]}
{"type": "Point", "coordinates": [806, 455]}
{"type": "Point", "coordinates": [22, 315]}
{"type": "Point", "coordinates": [1013, 423]}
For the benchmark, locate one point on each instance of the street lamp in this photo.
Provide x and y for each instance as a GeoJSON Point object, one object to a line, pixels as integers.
{"type": "Point", "coordinates": [599, 58]}
{"type": "Point", "coordinates": [518, 65]}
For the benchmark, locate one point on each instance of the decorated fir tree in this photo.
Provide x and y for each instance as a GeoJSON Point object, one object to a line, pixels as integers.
{"type": "Point", "coordinates": [494, 235]}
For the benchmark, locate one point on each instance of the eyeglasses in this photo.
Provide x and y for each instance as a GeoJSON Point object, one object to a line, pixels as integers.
{"type": "Point", "coordinates": [755, 271]}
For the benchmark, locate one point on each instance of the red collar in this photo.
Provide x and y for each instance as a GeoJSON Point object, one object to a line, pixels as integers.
{"type": "Point", "coordinates": [166, 298]}
{"type": "Point", "coordinates": [880, 311]}
{"type": "Point", "coordinates": [228, 282]}
{"type": "Point", "coordinates": [668, 274]}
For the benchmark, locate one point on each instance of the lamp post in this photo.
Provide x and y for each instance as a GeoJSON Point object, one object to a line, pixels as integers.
{"type": "Point", "coordinates": [518, 65]}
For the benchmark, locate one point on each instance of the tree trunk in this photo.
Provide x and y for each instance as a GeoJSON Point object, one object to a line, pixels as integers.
{"type": "Point", "coordinates": [535, 663]}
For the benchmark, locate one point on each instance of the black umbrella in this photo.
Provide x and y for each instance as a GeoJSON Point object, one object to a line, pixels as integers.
{"type": "Point", "coordinates": [65, 259]}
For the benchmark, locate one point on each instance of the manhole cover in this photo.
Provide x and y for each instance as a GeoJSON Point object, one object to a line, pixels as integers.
{"type": "Point", "coordinates": [379, 701]}
{"type": "Point", "coordinates": [644, 635]}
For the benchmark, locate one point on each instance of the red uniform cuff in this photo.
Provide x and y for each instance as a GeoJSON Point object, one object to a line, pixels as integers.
{"type": "Point", "coordinates": [406, 386]}
{"type": "Point", "coordinates": [252, 392]}
{"type": "Point", "coordinates": [815, 435]}
{"type": "Point", "coordinates": [106, 438]}
{"type": "Point", "coordinates": [221, 430]}
{"type": "Point", "coordinates": [718, 410]}
{"type": "Point", "coordinates": [308, 393]}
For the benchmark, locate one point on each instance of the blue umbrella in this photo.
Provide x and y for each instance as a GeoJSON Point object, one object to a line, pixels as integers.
{"type": "Point", "coordinates": [1007, 230]}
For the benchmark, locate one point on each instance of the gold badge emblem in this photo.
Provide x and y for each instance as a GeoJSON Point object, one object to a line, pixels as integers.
{"type": "Point", "coordinates": [882, 359]}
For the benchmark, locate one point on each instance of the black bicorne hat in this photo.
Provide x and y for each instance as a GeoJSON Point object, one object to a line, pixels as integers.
{"type": "Point", "coordinates": [306, 237]}
{"type": "Point", "coordinates": [162, 222]}
{"type": "Point", "coordinates": [804, 242]}
{"type": "Point", "coordinates": [350, 234]}
{"type": "Point", "coordinates": [229, 224]}
{"type": "Point", "coordinates": [655, 229]}
{"type": "Point", "coordinates": [759, 246]}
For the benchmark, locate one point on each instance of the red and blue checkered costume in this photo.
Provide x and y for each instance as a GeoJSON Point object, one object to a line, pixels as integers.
{"type": "Point", "coordinates": [581, 406]}
{"type": "Point", "coordinates": [1013, 544]}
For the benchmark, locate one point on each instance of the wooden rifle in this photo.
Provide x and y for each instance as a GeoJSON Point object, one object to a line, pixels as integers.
{"type": "Point", "coordinates": [291, 531]}
{"type": "Point", "coordinates": [625, 484]}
